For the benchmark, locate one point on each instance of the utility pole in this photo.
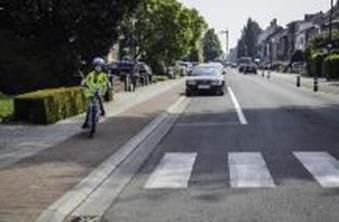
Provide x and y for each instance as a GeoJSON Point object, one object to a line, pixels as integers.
{"type": "Point", "coordinates": [226, 32]}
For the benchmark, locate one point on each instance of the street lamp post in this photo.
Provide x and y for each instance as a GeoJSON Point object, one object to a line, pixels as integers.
{"type": "Point", "coordinates": [134, 41]}
{"type": "Point", "coordinates": [226, 32]}
{"type": "Point", "coordinates": [330, 22]}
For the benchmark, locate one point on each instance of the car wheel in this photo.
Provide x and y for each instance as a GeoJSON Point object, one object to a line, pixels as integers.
{"type": "Point", "coordinates": [224, 91]}
{"type": "Point", "coordinates": [221, 91]}
{"type": "Point", "coordinates": [188, 93]}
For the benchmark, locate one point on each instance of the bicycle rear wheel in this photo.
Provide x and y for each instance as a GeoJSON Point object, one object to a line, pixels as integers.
{"type": "Point", "coordinates": [93, 119]}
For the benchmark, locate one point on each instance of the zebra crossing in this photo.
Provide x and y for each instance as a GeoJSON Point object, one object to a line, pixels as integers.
{"type": "Point", "coordinates": [173, 171]}
{"type": "Point", "coordinates": [249, 170]}
{"type": "Point", "coordinates": [246, 170]}
{"type": "Point", "coordinates": [323, 167]}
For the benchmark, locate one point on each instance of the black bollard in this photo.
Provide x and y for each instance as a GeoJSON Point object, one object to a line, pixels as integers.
{"type": "Point", "coordinates": [298, 81]}
{"type": "Point", "coordinates": [126, 82]}
{"type": "Point", "coordinates": [316, 84]}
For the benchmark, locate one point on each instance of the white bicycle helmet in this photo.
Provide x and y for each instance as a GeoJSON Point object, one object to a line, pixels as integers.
{"type": "Point", "coordinates": [99, 62]}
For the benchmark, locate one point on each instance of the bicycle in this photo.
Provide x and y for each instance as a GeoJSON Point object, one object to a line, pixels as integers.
{"type": "Point", "coordinates": [94, 113]}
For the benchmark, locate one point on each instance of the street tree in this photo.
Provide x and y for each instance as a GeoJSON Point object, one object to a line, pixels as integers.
{"type": "Point", "coordinates": [247, 45]}
{"type": "Point", "coordinates": [49, 38]}
{"type": "Point", "coordinates": [163, 31]}
{"type": "Point", "coordinates": [211, 45]}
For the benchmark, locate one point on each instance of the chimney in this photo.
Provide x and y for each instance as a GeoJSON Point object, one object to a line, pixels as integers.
{"type": "Point", "coordinates": [274, 22]}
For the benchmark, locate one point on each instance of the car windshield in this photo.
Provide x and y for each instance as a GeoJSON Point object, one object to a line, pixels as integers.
{"type": "Point", "coordinates": [205, 71]}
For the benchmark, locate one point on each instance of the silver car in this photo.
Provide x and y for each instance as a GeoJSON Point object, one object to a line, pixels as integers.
{"type": "Point", "coordinates": [206, 78]}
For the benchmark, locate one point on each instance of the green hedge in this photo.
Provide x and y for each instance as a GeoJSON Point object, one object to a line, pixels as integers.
{"type": "Point", "coordinates": [317, 64]}
{"type": "Point", "coordinates": [332, 66]}
{"type": "Point", "coordinates": [49, 106]}
{"type": "Point", "coordinates": [6, 106]}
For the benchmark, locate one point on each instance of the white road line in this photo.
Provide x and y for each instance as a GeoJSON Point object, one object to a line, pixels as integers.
{"type": "Point", "coordinates": [323, 167]}
{"type": "Point", "coordinates": [240, 113]}
{"type": "Point", "coordinates": [249, 170]}
{"type": "Point", "coordinates": [173, 171]}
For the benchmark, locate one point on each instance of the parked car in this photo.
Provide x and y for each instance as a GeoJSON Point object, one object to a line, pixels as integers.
{"type": "Point", "coordinates": [171, 72]}
{"type": "Point", "coordinates": [205, 78]}
{"type": "Point", "coordinates": [145, 72]}
{"type": "Point", "coordinates": [246, 65]}
{"type": "Point", "coordinates": [186, 67]}
{"type": "Point", "coordinates": [130, 72]}
{"type": "Point", "coordinates": [120, 66]}
{"type": "Point", "coordinates": [234, 65]}
{"type": "Point", "coordinates": [195, 64]}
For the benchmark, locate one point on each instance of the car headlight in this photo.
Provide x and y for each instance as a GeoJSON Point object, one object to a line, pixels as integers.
{"type": "Point", "coordinates": [216, 82]}
{"type": "Point", "coordinates": [191, 82]}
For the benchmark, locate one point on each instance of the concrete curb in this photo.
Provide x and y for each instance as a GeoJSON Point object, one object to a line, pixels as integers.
{"type": "Point", "coordinates": [90, 192]}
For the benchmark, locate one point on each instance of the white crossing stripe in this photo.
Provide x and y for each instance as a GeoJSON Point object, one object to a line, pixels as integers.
{"type": "Point", "coordinates": [323, 167]}
{"type": "Point", "coordinates": [249, 170]}
{"type": "Point", "coordinates": [173, 171]}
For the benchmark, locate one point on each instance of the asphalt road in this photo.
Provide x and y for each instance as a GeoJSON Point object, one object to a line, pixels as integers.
{"type": "Point", "coordinates": [280, 166]}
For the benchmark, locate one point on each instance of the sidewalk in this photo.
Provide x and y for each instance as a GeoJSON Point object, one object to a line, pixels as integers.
{"type": "Point", "coordinates": [331, 87]}
{"type": "Point", "coordinates": [21, 141]}
{"type": "Point", "coordinates": [47, 161]}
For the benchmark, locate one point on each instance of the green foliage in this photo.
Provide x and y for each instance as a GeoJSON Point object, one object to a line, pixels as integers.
{"type": "Point", "coordinates": [46, 40]}
{"type": "Point", "coordinates": [163, 31]}
{"type": "Point", "coordinates": [332, 66]}
{"type": "Point", "coordinates": [247, 45]}
{"type": "Point", "coordinates": [49, 106]}
{"type": "Point", "coordinates": [308, 57]}
{"type": "Point", "coordinates": [211, 45]}
{"type": "Point", "coordinates": [317, 64]}
{"type": "Point", "coordinates": [158, 78]}
{"type": "Point", "coordinates": [6, 106]}
{"type": "Point", "coordinates": [319, 61]}
{"type": "Point", "coordinates": [3, 96]}
{"type": "Point", "coordinates": [196, 55]}
{"type": "Point", "coordinates": [322, 41]}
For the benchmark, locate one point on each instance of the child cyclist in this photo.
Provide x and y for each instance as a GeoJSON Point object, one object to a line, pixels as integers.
{"type": "Point", "coordinates": [97, 80]}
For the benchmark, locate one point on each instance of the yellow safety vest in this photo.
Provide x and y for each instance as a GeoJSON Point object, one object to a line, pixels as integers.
{"type": "Point", "coordinates": [95, 82]}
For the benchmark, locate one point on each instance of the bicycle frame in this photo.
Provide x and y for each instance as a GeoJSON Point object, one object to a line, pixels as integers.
{"type": "Point", "coordinates": [93, 109]}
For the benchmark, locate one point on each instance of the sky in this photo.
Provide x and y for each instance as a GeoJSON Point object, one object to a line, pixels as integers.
{"type": "Point", "coordinates": [233, 14]}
